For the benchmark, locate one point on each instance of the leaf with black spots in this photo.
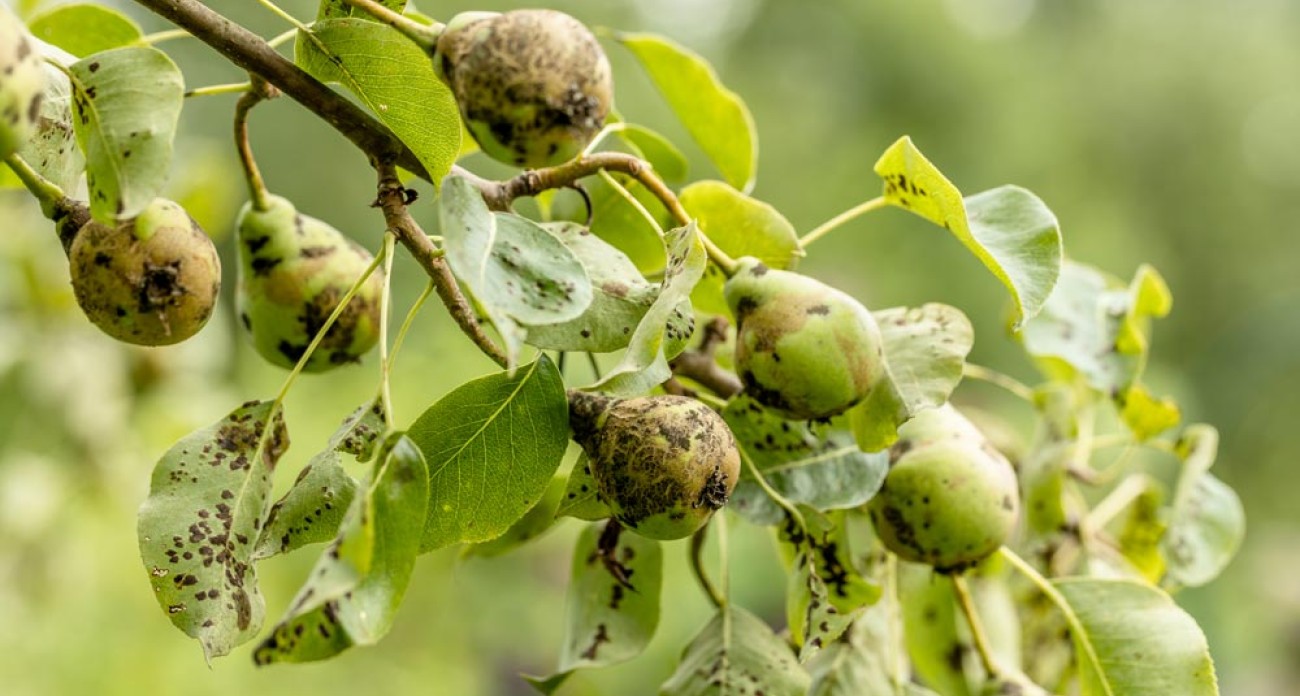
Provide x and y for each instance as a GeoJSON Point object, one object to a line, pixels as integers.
{"type": "Point", "coordinates": [197, 529]}
{"type": "Point", "coordinates": [736, 654]}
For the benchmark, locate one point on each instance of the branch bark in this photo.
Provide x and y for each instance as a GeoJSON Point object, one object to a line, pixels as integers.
{"type": "Point", "coordinates": [392, 201]}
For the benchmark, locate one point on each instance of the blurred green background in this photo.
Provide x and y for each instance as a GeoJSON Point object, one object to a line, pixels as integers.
{"type": "Point", "coordinates": [1165, 131]}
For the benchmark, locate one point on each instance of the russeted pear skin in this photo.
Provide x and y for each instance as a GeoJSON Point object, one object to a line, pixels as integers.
{"type": "Point", "coordinates": [151, 281]}
{"type": "Point", "coordinates": [803, 349]}
{"type": "Point", "coordinates": [22, 84]}
{"type": "Point", "coordinates": [533, 86]}
{"type": "Point", "coordinates": [950, 499]}
{"type": "Point", "coordinates": [663, 464]}
{"type": "Point", "coordinates": [293, 271]}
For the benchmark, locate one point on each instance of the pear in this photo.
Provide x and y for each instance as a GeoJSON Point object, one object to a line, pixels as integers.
{"type": "Point", "coordinates": [950, 499]}
{"type": "Point", "coordinates": [22, 84]}
{"type": "Point", "coordinates": [151, 281]}
{"type": "Point", "coordinates": [533, 86]}
{"type": "Point", "coordinates": [663, 464]}
{"type": "Point", "coordinates": [293, 270]}
{"type": "Point", "coordinates": [803, 349]}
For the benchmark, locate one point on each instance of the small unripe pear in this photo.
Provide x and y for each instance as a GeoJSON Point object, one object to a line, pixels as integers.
{"type": "Point", "coordinates": [151, 281]}
{"type": "Point", "coordinates": [949, 504]}
{"type": "Point", "coordinates": [22, 84]}
{"type": "Point", "coordinates": [663, 464]}
{"type": "Point", "coordinates": [803, 349]}
{"type": "Point", "coordinates": [293, 271]}
{"type": "Point", "coordinates": [533, 86]}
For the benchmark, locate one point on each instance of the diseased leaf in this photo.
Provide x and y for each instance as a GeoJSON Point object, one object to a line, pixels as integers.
{"type": "Point", "coordinates": [314, 507]}
{"type": "Point", "coordinates": [1133, 640]}
{"type": "Point", "coordinates": [125, 102]}
{"type": "Point", "coordinates": [207, 501]}
{"type": "Point", "coordinates": [612, 606]}
{"type": "Point", "coordinates": [1207, 522]}
{"type": "Point", "coordinates": [492, 446]}
{"type": "Point", "coordinates": [930, 629]}
{"type": "Point", "coordinates": [338, 8]}
{"type": "Point", "coordinates": [519, 273]}
{"type": "Point", "coordinates": [1143, 530]}
{"type": "Point", "coordinates": [620, 298]}
{"type": "Point", "coordinates": [925, 351]}
{"type": "Point", "coordinates": [716, 117]}
{"type": "Point", "coordinates": [665, 324]}
{"type": "Point", "coordinates": [85, 28]}
{"type": "Point", "coordinates": [52, 150]}
{"type": "Point", "coordinates": [740, 226]}
{"type": "Point", "coordinates": [357, 585]}
{"type": "Point", "coordinates": [859, 663]}
{"type": "Point", "coordinates": [581, 499]}
{"type": "Point", "coordinates": [824, 472]}
{"type": "Point", "coordinates": [1145, 415]}
{"type": "Point", "coordinates": [394, 78]}
{"type": "Point", "coordinates": [736, 653]}
{"type": "Point", "coordinates": [825, 592]}
{"type": "Point", "coordinates": [1010, 230]}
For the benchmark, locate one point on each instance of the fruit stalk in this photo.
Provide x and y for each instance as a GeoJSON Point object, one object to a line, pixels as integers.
{"type": "Point", "coordinates": [424, 36]}
{"type": "Point", "coordinates": [257, 91]}
{"type": "Point", "coordinates": [981, 639]}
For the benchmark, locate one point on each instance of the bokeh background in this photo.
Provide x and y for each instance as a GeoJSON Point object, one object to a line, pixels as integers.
{"type": "Point", "coordinates": [1165, 131]}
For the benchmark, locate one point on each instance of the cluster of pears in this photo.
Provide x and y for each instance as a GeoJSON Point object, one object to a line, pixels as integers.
{"type": "Point", "coordinates": [151, 280]}
{"type": "Point", "coordinates": [533, 86]}
{"type": "Point", "coordinates": [293, 272]}
{"type": "Point", "coordinates": [950, 498]}
{"type": "Point", "coordinates": [803, 349]}
{"type": "Point", "coordinates": [22, 85]}
{"type": "Point", "coordinates": [663, 464]}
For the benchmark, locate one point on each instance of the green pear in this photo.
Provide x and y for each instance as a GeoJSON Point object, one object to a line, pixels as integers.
{"type": "Point", "coordinates": [293, 270]}
{"type": "Point", "coordinates": [949, 503]}
{"type": "Point", "coordinates": [151, 281]}
{"type": "Point", "coordinates": [22, 84]}
{"type": "Point", "coordinates": [663, 464]}
{"type": "Point", "coordinates": [803, 349]}
{"type": "Point", "coordinates": [533, 86]}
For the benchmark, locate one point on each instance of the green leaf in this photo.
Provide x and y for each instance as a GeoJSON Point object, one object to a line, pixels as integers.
{"type": "Point", "coordinates": [1207, 522]}
{"type": "Point", "coordinates": [620, 298]}
{"type": "Point", "coordinates": [1010, 230]}
{"type": "Point", "coordinates": [207, 499]}
{"type": "Point", "coordinates": [353, 593]}
{"type": "Point", "coordinates": [519, 273]}
{"type": "Point", "coordinates": [581, 500]}
{"type": "Point", "coordinates": [826, 473]}
{"type": "Point", "coordinates": [126, 102]}
{"type": "Point", "coordinates": [1131, 639]}
{"type": "Point", "coordinates": [668, 162]}
{"type": "Point", "coordinates": [1093, 327]}
{"type": "Point", "coordinates": [616, 220]}
{"type": "Point", "coordinates": [715, 116]}
{"type": "Point", "coordinates": [1145, 415]}
{"type": "Point", "coordinates": [394, 78]}
{"type": "Point", "coordinates": [52, 151]}
{"type": "Point", "coordinates": [330, 9]}
{"type": "Point", "coordinates": [740, 226]}
{"type": "Point", "coordinates": [492, 445]}
{"type": "Point", "coordinates": [925, 351]}
{"type": "Point", "coordinates": [736, 653]}
{"type": "Point", "coordinates": [930, 629]}
{"type": "Point", "coordinates": [612, 607]}
{"type": "Point", "coordinates": [84, 28]}
{"type": "Point", "coordinates": [645, 364]}
{"type": "Point", "coordinates": [539, 520]}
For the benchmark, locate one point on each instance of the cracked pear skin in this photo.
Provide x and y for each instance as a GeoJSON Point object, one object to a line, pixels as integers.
{"type": "Point", "coordinates": [22, 84]}
{"type": "Point", "coordinates": [948, 504]}
{"type": "Point", "coordinates": [663, 464]}
{"type": "Point", "coordinates": [293, 270]}
{"type": "Point", "coordinates": [803, 349]}
{"type": "Point", "coordinates": [533, 86]}
{"type": "Point", "coordinates": [151, 281]}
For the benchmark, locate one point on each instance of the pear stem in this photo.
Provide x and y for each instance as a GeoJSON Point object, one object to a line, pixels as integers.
{"type": "Point", "coordinates": [850, 214]}
{"type": "Point", "coordinates": [1007, 382]}
{"type": "Point", "coordinates": [212, 90]}
{"type": "Point", "coordinates": [424, 36]}
{"type": "Point", "coordinates": [697, 565]}
{"type": "Point", "coordinates": [67, 214]}
{"type": "Point", "coordinates": [258, 91]}
{"type": "Point", "coordinates": [962, 590]}
{"type": "Point", "coordinates": [385, 308]}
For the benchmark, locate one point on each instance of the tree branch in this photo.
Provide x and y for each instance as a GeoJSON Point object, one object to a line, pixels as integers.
{"type": "Point", "coordinates": [698, 365]}
{"type": "Point", "coordinates": [248, 51]}
{"type": "Point", "coordinates": [392, 200]}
